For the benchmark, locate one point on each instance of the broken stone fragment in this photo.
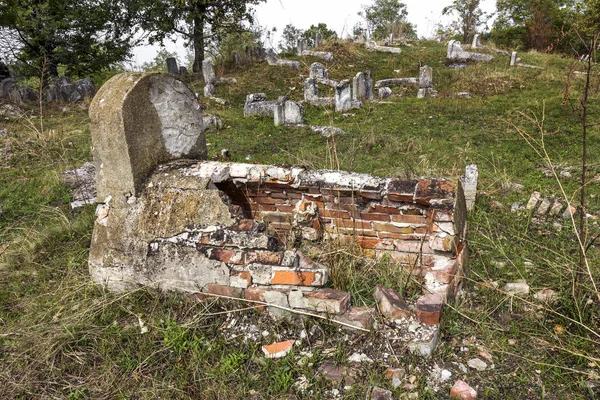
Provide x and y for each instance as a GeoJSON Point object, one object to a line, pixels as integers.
{"type": "Point", "coordinates": [381, 394]}
{"type": "Point", "coordinates": [360, 317]}
{"type": "Point", "coordinates": [462, 391]}
{"type": "Point", "coordinates": [278, 350]}
{"type": "Point", "coordinates": [337, 373]}
{"type": "Point", "coordinates": [477, 364]}
{"type": "Point", "coordinates": [329, 301]}
{"type": "Point", "coordinates": [517, 287]}
{"type": "Point", "coordinates": [385, 92]}
{"type": "Point", "coordinates": [533, 200]}
{"type": "Point", "coordinates": [327, 131]}
{"type": "Point", "coordinates": [546, 295]}
{"type": "Point", "coordinates": [391, 305]}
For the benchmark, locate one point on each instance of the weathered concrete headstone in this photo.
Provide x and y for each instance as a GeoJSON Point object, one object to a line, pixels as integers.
{"type": "Point", "coordinates": [318, 39]}
{"type": "Point", "coordinates": [311, 90]}
{"type": "Point", "coordinates": [475, 44]}
{"type": "Point", "coordinates": [455, 52]}
{"type": "Point", "coordinates": [257, 104]}
{"type": "Point", "coordinates": [362, 86]}
{"type": "Point", "coordinates": [317, 70]}
{"type": "Point", "coordinates": [210, 78]}
{"type": "Point", "coordinates": [301, 46]}
{"type": "Point", "coordinates": [183, 71]}
{"type": "Point", "coordinates": [513, 59]}
{"type": "Point", "coordinates": [288, 112]}
{"type": "Point", "coordinates": [426, 83]}
{"type": "Point", "coordinates": [343, 96]}
{"type": "Point", "coordinates": [172, 67]}
{"type": "Point", "coordinates": [469, 184]}
{"type": "Point", "coordinates": [139, 121]}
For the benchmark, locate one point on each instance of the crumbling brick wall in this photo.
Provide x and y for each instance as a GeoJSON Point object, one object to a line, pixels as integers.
{"type": "Point", "coordinates": [215, 228]}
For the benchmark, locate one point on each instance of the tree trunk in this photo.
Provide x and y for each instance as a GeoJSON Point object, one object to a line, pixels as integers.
{"type": "Point", "coordinates": [198, 37]}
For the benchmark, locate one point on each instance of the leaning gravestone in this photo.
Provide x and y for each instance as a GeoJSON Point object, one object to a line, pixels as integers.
{"type": "Point", "coordinates": [343, 96]}
{"type": "Point", "coordinates": [362, 86]}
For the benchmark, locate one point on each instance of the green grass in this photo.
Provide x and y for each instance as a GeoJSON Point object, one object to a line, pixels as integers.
{"type": "Point", "coordinates": [61, 336]}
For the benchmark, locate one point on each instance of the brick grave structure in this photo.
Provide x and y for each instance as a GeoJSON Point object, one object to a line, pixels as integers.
{"type": "Point", "coordinates": [214, 228]}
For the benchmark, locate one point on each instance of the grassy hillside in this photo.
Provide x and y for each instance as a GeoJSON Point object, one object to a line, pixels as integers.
{"type": "Point", "coordinates": [61, 336]}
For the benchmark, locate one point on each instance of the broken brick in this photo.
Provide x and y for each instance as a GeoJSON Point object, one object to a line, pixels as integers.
{"type": "Point", "coordinates": [298, 277]}
{"type": "Point", "coordinates": [360, 317]}
{"type": "Point", "coordinates": [391, 304]}
{"type": "Point", "coordinates": [278, 350]}
{"type": "Point", "coordinates": [462, 391]}
{"type": "Point", "coordinates": [329, 301]}
{"type": "Point", "coordinates": [222, 290]}
{"type": "Point", "coordinates": [429, 308]}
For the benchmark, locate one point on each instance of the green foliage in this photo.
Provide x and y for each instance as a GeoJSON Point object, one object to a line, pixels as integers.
{"type": "Point", "coordinates": [159, 62]}
{"type": "Point", "coordinates": [84, 36]}
{"type": "Point", "coordinates": [326, 33]}
{"type": "Point", "coordinates": [470, 17]}
{"type": "Point", "coordinates": [200, 22]}
{"type": "Point", "coordinates": [387, 16]}
{"type": "Point", "coordinates": [534, 24]}
{"type": "Point", "coordinates": [289, 38]}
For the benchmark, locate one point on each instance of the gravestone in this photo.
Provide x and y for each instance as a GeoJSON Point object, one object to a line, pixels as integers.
{"type": "Point", "coordinates": [455, 52]}
{"type": "Point", "coordinates": [476, 42]}
{"type": "Point", "coordinates": [362, 86]}
{"type": "Point", "coordinates": [513, 59]}
{"type": "Point", "coordinates": [257, 104]}
{"type": "Point", "coordinates": [288, 112]}
{"type": "Point", "coordinates": [172, 67]}
{"type": "Point", "coordinates": [318, 39]}
{"type": "Point", "coordinates": [317, 71]}
{"type": "Point", "coordinates": [426, 83]}
{"type": "Point", "coordinates": [343, 96]}
{"type": "Point", "coordinates": [210, 78]}
{"type": "Point", "coordinates": [311, 90]}
{"type": "Point", "coordinates": [469, 184]}
{"type": "Point", "coordinates": [385, 92]}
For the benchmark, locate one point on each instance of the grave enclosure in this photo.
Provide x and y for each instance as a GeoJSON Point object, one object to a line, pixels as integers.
{"type": "Point", "coordinates": [168, 219]}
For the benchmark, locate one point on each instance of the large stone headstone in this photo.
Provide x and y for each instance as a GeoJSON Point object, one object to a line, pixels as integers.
{"type": "Point", "coordinates": [476, 42]}
{"type": "Point", "coordinates": [362, 86]}
{"type": "Point", "coordinates": [343, 96]}
{"type": "Point", "coordinates": [288, 112]}
{"type": "Point", "coordinates": [311, 90]}
{"type": "Point", "coordinates": [138, 121]}
{"type": "Point", "coordinates": [426, 82]}
{"type": "Point", "coordinates": [317, 71]}
{"type": "Point", "coordinates": [513, 59]}
{"type": "Point", "coordinates": [318, 39]}
{"type": "Point", "coordinates": [172, 67]}
{"type": "Point", "coordinates": [469, 184]}
{"type": "Point", "coordinates": [210, 78]}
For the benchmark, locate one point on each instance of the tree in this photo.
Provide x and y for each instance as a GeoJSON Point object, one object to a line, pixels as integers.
{"type": "Point", "coordinates": [470, 16]}
{"type": "Point", "coordinates": [536, 24]}
{"type": "Point", "coordinates": [159, 62]}
{"type": "Point", "coordinates": [197, 21]}
{"type": "Point", "coordinates": [383, 16]}
{"type": "Point", "coordinates": [83, 36]}
{"type": "Point", "coordinates": [326, 33]}
{"type": "Point", "coordinates": [290, 36]}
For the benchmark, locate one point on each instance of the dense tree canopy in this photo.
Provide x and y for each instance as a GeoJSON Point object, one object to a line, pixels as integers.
{"type": "Point", "coordinates": [470, 16]}
{"type": "Point", "coordinates": [197, 21]}
{"type": "Point", "coordinates": [84, 36]}
{"type": "Point", "coordinates": [387, 16]}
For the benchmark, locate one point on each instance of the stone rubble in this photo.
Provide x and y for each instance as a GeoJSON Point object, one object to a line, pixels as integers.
{"type": "Point", "coordinates": [272, 59]}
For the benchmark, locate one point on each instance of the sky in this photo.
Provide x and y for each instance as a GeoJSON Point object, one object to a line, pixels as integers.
{"type": "Point", "coordinates": [339, 15]}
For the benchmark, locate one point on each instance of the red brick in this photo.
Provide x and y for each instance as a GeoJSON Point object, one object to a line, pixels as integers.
{"type": "Point", "coordinates": [264, 257]}
{"type": "Point", "coordinates": [269, 200]}
{"type": "Point", "coordinates": [221, 290]}
{"type": "Point", "coordinates": [400, 257]}
{"type": "Point", "coordinates": [370, 194]}
{"type": "Point", "coordinates": [268, 217]}
{"type": "Point", "coordinates": [429, 189]}
{"type": "Point", "coordinates": [282, 226]}
{"type": "Point", "coordinates": [391, 304]}
{"type": "Point", "coordinates": [297, 277]}
{"type": "Point", "coordinates": [285, 208]}
{"type": "Point", "coordinates": [330, 301]}
{"type": "Point", "coordinates": [389, 227]}
{"type": "Point", "coordinates": [378, 208]}
{"type": "Point", "coordinates": [263, 207]}
{"type": "Point", "coordinates": [388, 235]}
{"type": "Point", "coordinates": [246, 225]}
{"type": "Point", "coordinates": [354, 224]}
{"type": "Point", "coordinates": [360, 317]}
{"type": "Point", "coordinates": [255, 294]}
{"type": "Point", "coordinates": [447, 243]}
{"type": "Point", "coordinates": [429, 308]}
{"type": "Point", "coordinates": [375, 216]}
{"type": "Point", "coordinates": [410, 219]}
{"type": "Point", "coordinates": [227, 256]}
{"type": "Point", "coordinates": [278, 350]}
{"type": "Point", "coordinates": [368, 243]}
{"type": "Point", "coordinates": [406, 246]}
{"type": "Point", "coordinates": [334, 213]}
{"type": "Point", "coordinates": [244, 278]}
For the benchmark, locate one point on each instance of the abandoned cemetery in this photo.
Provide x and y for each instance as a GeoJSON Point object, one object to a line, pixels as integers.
{"type": "Point", "coordinates": [371, 217]}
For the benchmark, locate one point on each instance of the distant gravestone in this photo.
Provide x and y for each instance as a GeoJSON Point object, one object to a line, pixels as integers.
{"type": "Point", "coordinates": [476, 42]}
{"type": "Point", "coordinates": [317, 71]}
{"type": "Point", "coordinates": [362, 86]}
{"type": "Point", "coordinates": [183, 71]}
{"type": "Point", "coordinates": [426, 83]}
{"type": "Point", "coordinates": [210, 78]}
{"type": "Point", "coordinates": [513, 59]}
{"type": "Point", "coordinates": [318, 39]}
{"type": "Point", "coordinates": [343, 96]}
{"type": "Point", "coordinates": [288, 112]}
{"type": "Point", "coordinates": [172, 67]}
{"type": "Point", "coordinates": [469, 184]}
{"type": "Point", "coordinates": [385, 92]}
{"type": "Point", "coordinates": [311, 90]}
